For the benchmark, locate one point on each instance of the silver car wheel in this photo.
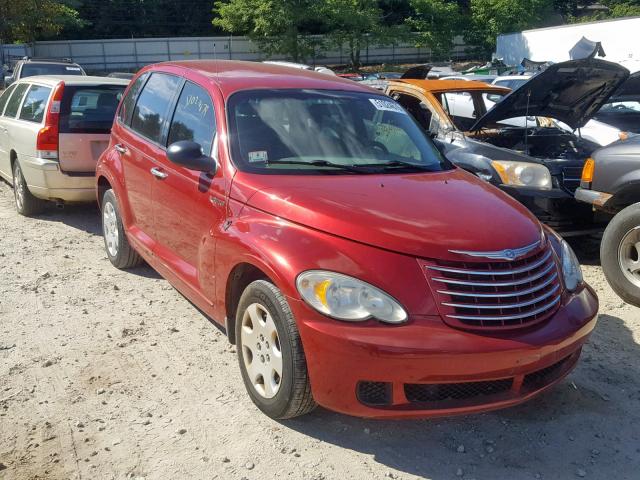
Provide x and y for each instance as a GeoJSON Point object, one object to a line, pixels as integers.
{"type": "Point", "coordinates": [629, 255]}
{"type": "Point", "coordinates": [261, 350]}
{"type": "Point", "coordinates": [110, 228]}
{"type": "Point", "coordinates": [18, 186]}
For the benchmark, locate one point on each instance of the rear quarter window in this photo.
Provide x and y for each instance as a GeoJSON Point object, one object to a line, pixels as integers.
{"type": "Point", "coordinates": [35, 104]}
{"type": "Point", "coordinates": [89, 109]}
{"type": "Point", "coordinates": [126, 109]}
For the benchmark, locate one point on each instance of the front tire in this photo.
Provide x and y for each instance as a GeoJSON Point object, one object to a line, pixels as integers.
{"type": "Point", "coordinates": [120, 252]}
{"type": "Point", "coordinates": [26, 204]}
{"type": "Point", "coordinates": [270, 353]}
{"type": "Point", "coordinates": [620, 254]}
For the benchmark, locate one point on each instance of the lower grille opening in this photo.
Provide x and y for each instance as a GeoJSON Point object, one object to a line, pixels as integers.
{"type": "Point", "coordinates": [540, 378]}
{"type": "Point", "coordinates": [439, 392]}
{"type": "Point", "coordinates": [375, 393]}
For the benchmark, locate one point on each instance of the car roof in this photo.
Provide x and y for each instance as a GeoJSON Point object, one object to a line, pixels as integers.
{"type": "Point", "coordinates": [524, 76]}
{"type": "Point", "coordinates": [53, 80]}
{"type": "Point", "coordinates": [438, 86]}
{"type": "Point", "coordinates": [232, 76]}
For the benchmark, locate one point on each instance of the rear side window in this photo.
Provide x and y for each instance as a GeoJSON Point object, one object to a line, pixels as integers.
{"type": "Point", "coordinates": [14, 102]}
{"type": "Point", "coordinates": [153, 104]}
{"type": "Point", "coordinates": [35, 104]}
{"type": "Point", "coordinates": [194, 118]}
{"type": "Point", "coordinates": [89, 109]}
{"type": "Point", "coordinates": [129, 102]}
{"type": "Point", "coordinates": [4, 98]}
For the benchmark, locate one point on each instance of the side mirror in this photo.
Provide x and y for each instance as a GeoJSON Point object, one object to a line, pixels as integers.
{"type": "Point", "coordinates": [189, 155]}
{"type": "Point", "coordinates": [7, 81]}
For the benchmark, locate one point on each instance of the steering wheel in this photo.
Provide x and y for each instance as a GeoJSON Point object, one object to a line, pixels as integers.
{"type": "Point", "coordinates": [379, 146]}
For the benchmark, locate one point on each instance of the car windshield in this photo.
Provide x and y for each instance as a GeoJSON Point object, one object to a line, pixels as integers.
{"type": "Point", "coordinates": [33, 69]}
{"type": "Point", "coordinates": [322, 131]}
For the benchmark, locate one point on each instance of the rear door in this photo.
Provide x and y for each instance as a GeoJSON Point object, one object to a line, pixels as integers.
{"type": "Point", "coordinates": [144, 116]}
{"type": "Point", "coordinates": [12, 133]}
{"type": "Point", "coordinates": [189, 206]}
{"type": "Point", "coordinates": [86, 117]}
{"type": "Point", "coordinates": [5, 163]}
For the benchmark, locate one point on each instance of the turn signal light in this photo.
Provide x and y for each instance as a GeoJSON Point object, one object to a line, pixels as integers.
{"type": "Point", "coordinates": [588, 169]}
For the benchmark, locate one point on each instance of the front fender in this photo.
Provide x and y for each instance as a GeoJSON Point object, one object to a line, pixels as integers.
{"type": "Point", "coordinates": [283, 249]}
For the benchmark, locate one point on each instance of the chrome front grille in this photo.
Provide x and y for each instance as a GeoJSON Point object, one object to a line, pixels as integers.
{"type": "Point", "coordinates": [497, 295]}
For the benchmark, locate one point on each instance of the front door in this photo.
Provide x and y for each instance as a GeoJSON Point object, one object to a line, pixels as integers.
{"type": "Point", "coordinates": [189, 206]}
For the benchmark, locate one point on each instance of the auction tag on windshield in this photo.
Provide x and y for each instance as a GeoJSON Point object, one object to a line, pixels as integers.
{"type": "Point", "coordinates": [258, 157]}
{"type": "Point", "coordinates": [73, 69]}
{"type": "Point", "coordinates": [386, 105]}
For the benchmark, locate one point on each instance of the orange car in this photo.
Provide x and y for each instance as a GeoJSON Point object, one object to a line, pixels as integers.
{"type": "Point", "coordinates": [513, 140]}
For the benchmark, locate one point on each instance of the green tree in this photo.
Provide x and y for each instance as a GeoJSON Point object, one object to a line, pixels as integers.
{"type": "Point", "coordinates": [277, 26]}
{"type": "Point", "coordinates": [489, 18]}
{"type": "Point", "coordinates": [30, 20]}
{"type": "Point", "coordinates": [438, 22]}
{"type": "Point", "coordinates": [357, 23]}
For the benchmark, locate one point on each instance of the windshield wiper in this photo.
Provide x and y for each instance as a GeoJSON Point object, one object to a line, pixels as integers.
{"type": "Point", "coordinates": [395, 164]}
{"type": "Point", "coordinates": [323, 163]}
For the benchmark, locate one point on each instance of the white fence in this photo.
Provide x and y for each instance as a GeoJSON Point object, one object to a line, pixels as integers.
{"type": "Point", "coordinates": [131, 54]}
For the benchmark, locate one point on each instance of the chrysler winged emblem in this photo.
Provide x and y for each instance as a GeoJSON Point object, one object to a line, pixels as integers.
{"type": "Point", "coordinates": [508, 254]}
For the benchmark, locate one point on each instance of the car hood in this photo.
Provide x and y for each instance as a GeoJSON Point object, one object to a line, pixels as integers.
{"type": "Point", "coordinates": [422, 214]}
{"type": "Point", "coordinates": [571, 92]}
{"type": "Point", "coordinates": [629, 88]}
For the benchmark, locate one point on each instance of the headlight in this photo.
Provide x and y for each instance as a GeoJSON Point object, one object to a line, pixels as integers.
{"type": "Point", "coordinates": [571, 269]}
{"type": "Point", "coordinates": [347, 298]}
{"type": "Point", "coordinates": [523, 174]}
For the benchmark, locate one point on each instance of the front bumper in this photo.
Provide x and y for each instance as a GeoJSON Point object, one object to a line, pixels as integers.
{"type": "Point", "coordinates": [426, 352]}
{"type": "Point", "coordinates": [45, 180]}
{"type": "Point", "coordinates": [557, 209]}
{"type": "Point", "coordinates": [598, 199]}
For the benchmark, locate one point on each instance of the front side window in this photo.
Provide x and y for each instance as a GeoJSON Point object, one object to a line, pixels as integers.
{"type": "Point", "coordinates": [194, 118]}
{"type": "Point", "coordinates": [14, 102]}
{"type": "Point", "coordinates": [126, 110]}
{"type": "Point", "coordinates": [89, 109]}
{"type": "Point", "coordinates": [35, 104]}
{"type": "Point", "coordinates": [4, 98]}
{"type": "Point", "coordinates": [152, 108]}
{"type": "Point", "coordinates": [321, 131]}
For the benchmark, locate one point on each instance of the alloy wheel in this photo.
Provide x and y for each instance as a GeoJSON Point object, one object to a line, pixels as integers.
{"type": "Point", "coordinates": [110, 228]}
{"type": "Point", "coordinates": [18, 186]}
{"type": "Point", "coordinates": [261, 350]}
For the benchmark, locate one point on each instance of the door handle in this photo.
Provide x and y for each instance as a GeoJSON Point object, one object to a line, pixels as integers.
{"type": "Point", "coordinates": [156, 172]}
{"type": "Point", "coordinates": [120, 149]}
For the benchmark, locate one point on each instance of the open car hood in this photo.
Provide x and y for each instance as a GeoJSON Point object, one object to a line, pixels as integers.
{"type": "Point", "coordinates": [571, 92]}
{"type": "Point", "coordinates": [630, 88]}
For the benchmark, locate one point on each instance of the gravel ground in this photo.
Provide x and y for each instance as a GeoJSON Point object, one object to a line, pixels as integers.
{"type": "Point", "coordinates": [106, 374]}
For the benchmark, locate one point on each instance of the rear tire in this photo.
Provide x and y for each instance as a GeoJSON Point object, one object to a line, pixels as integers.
{"type": "Point", "coordinates": [620, 254]}
{"type": "Point", "coordinates": [26, 204]}
{"type": "Point", "coordinates": [120, 252]}
{"type": "Point", "coordinates": [270, 354]}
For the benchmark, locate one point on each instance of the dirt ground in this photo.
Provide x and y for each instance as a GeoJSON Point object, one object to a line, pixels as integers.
{"type": "Point", "coordinates": [112, 375]}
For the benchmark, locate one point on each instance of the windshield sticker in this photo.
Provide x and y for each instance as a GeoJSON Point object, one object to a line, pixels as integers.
{"type": "Point", "coordinates": [258, 157]}
{"type": "Point", "coordinates": [386, 105]}
{"type": "Point", "coordinates": [73, 69]}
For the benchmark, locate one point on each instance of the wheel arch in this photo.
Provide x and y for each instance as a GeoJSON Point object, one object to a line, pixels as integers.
{"type": "Point", "coordinates": [240, 276]}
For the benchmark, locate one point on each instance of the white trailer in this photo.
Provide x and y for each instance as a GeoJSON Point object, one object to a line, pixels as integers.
{"type": "Point", "coordinates": [620, 39]}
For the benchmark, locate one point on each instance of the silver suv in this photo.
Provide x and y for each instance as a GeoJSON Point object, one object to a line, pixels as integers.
{"type": "Point", "coordinates": [31, 67]}
{"type": "Point", "coordinates": [52, 132]}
